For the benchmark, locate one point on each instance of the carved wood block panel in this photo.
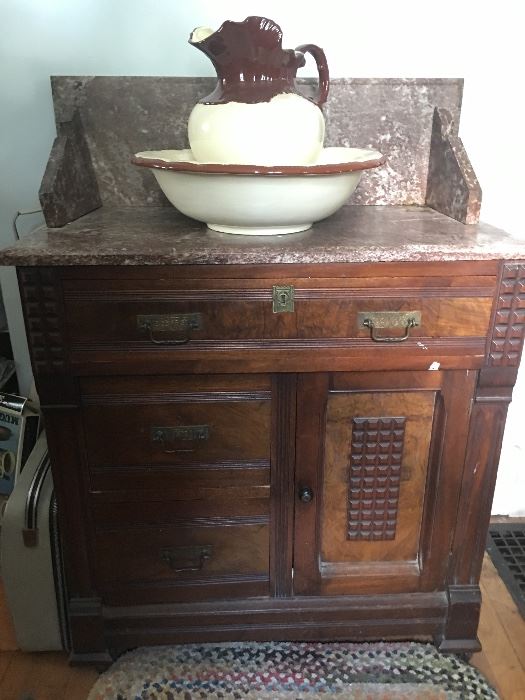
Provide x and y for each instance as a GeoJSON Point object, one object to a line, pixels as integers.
{"type": "Point", "coordinates": [508, 332]}
{"type": "Point", "coordinates": [375, 475]}
{"type": "Point", "coordinates": [41, 297]}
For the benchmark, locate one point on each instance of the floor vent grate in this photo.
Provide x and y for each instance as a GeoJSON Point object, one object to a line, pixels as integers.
{"type": "Point", "coordinates": [506, 546]}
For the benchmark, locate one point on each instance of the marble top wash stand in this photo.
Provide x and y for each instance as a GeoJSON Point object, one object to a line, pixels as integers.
{"type": "Point", "coordinates": [285, 438]}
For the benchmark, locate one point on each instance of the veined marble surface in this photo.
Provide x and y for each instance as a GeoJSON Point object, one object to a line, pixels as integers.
{"type": "Point", "coordinates": [124, 115]}
{"type": "Point", "coordinates": [163, 236]}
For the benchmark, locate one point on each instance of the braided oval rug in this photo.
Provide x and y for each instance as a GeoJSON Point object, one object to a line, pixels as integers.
{"type": "Point", "coordinates": [291, 670]}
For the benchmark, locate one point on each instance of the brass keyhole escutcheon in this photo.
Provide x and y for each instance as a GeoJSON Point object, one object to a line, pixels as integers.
{"type": "Point", "coordinates": [283, 298]}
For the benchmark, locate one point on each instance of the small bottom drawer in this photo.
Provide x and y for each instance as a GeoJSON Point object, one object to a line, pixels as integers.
{"type": "Point", "coordinates": [200, 559]}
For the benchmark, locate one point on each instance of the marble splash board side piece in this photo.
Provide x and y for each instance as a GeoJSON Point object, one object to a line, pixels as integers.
{"type": "Point", "coordinates": [123, 115]}
{"type": "Point", "coordinates": [452, 186]}
{"type": "Point", "coordinates": [69, 187]}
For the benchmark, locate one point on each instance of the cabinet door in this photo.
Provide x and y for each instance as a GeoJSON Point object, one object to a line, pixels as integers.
{"type": "Point", "coordinates": [379, 467]}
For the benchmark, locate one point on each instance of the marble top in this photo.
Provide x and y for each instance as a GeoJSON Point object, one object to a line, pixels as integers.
{"type": "Point", "coordinates": [163, 236]}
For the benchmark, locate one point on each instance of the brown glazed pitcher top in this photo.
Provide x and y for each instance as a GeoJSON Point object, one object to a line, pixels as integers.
{"type": "Point", "coordinates": [251, 64]}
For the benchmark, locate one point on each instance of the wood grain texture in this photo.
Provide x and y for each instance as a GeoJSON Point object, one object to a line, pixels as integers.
{"type": "Point", "coordinates": [131, 567]}
{"type": "Point", "coordinates": [64, 439]}
{"type": "Point", "coordinates": [403, 269]}
{"type": "Point", "coordinates": [330, 617]}
{"type": "Point", "coordinates": [121, 427]}
{"type": "Point", "coordinates": [447, 453]}
{"type": "Point", "coordinates": [417, 559]}
{"type": "Point", "coordinates": [190, 482]}
{"type": "Point", "coordinates": [252, 394]}
{"type": "Point", "coordinates": [205, 281]}
{"type": "Point", "coordinates": [311, 400]}
{"type": "Point", "coordinates": [414, 412]}
{"type": "Point", "coordinates": [45, 676]}
{"type": "Point", "coordinates": [225, 503]}
{"type": "Point", "coordinates": [481, 463]}
{"type": "Point", "coordinates": [240, 309]}
{"type": "Point", "coordinates": [283, 484]}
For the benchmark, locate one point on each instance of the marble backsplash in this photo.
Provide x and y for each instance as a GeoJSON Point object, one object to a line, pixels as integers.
{"type": "Point", "coordinates": [122, 115]}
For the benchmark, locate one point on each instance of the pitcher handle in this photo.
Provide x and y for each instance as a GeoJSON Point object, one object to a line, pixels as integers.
{"type": "Point", "coordinates": [322, 69]}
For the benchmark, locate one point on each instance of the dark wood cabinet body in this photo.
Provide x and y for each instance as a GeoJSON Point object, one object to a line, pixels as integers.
{"type": "Point", "coordinates": [181, 458]}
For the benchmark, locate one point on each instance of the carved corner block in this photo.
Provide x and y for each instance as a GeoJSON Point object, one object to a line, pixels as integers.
{"type": "Point", "coordinates": [69, 187]}
{"type": "Point", "coordinates": [41, 294]}
{"type": "Point", "coordinates": [508, 323]}
{"type": "Point", "coordinates": [41, 299]}
{"type": "Point", "coordinates": [452, 186]}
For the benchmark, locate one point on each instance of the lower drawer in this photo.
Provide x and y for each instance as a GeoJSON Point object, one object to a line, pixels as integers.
{"type": "Point", "coordinates": [159, 422]}
{"type": "Point", "coordinates": [199, 559]}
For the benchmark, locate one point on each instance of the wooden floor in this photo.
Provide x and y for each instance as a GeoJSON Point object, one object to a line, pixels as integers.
{"type": "Point", "coordinates": [502, 633]}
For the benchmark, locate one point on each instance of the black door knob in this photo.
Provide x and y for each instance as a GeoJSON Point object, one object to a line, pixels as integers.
{"type": "Point", "coordinates": [306, 494]}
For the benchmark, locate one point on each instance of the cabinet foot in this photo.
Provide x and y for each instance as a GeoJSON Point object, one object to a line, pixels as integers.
{"type": "Point", "coordinates": [462, 647]}
{"type": "Point", "coordinates": [101, 660]}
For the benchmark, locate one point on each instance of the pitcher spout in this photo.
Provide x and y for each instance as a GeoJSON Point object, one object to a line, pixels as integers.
{"type": "Point", "coordinates": [200, 34]}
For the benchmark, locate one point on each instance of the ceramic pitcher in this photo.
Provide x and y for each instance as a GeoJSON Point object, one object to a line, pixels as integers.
{"type": "Point", "coordinates": [256, 115]}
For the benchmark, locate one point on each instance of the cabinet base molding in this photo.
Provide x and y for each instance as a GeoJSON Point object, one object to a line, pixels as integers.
{"type": "Point", "coordinates": [355, 618]}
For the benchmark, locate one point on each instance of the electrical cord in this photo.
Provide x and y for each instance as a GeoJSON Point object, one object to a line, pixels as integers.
{"type": "Point", "coordinates": [18, 215]}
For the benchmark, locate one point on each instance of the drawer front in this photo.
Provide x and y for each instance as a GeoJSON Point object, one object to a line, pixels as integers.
{"type": "Point", "coordinates": [158, 322]}
{"type": "Point", "coordinates": [230, 484]}
{"type": "Point", "coordinates": [195, 313]}
{"type": "Point", "coordinates": [200, 559]}
{"type": "Point", "coordinates": [154, 424]}
{"type": "Point", "coordinates": [390, 317]}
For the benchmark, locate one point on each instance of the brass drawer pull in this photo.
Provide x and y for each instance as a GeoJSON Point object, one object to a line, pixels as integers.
{"type": "Point", "coordinates": [158, 325]}
{"type": "Point", "coordinates": [191, 558]}
{"type": "Point", "coordinates": [389, 319]}
{"type": "Point", "coordinates": [183, 433]}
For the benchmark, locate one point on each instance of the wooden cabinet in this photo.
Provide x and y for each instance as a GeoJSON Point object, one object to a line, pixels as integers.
{"type": "Point", "coordinates": [239, 455]}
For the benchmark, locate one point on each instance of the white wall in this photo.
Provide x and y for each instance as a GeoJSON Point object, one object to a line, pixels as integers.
{"type": "Point", "coordinates": [482, 42]}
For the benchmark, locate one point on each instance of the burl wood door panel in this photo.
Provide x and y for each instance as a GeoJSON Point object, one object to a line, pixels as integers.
{"type": "Point", "coordinates": [380, 519]}
{"type": "Point", "coordinates": [373, 491]}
